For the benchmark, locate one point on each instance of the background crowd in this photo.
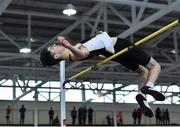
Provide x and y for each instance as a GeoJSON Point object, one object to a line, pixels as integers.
{"type": "Point", "coordinates": [84, 116]}
{"type": "Point", "coordinates": [162, 116]}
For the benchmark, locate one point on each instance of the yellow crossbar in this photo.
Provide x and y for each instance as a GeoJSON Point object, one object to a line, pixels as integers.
{"type": "Point", "coordinates": [126, 49]}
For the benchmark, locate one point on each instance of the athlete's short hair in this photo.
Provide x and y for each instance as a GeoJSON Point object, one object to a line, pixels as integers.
{"type": "Point", "coordinates": [47, 58]}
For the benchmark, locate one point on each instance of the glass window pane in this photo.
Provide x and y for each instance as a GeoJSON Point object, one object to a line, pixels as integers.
{"type": "Point", "coordinates": [164, 88]}
{"type": "Point", "coordinates": [6, 82]}
{"type": "Point", "coordinates": [6, 93]}
{"type": "Point", "coordinates": [47, 84]}
{"type": "Point", "coordinates": [149, 98]}
{"type": "Point", "coordinates": [87, 85]}
{"type": "Point", "coordinates": [100, 99]}
{"type": "Point", "coordinates": [94, 85]}
{"type": "Point", "coordinates": [117, 85]}
{"type": "Point", "coordinates": [70, 84]}
{"type": "Point", "coordinates": [108, 86]}
{"type": "Point", "coordinates": [55, 90]}
{"type": "Point", "coordinates": [131, 87]}
{"type": "Point", "coordinates": [54, 96]}
{"type": "Point", "coordinates": [33, 83]}
{"type": "Point", "coordinates": [119, 98]}
{"type": "Point", "coordinates": [18, 92]}
{"type": "Point", "coordinates": [158, 88]}
{"type": "Point", "coordinates": [130, 97]}
{"type": "Point", "coordinates": [90, 95]}
{"type": "Point", "coordinates": [28, 97]}
{"type": "Point", "coordinates": [43, 96]}
{"type": "Point", "coordinates": [175, 99]}
{"type": "Point", "coordinates": [55, 84]}
{"type": "Point", "coordinates": [73, 96]}
{"type": "Point", "coordinates": [108, 98]}
{"type": "Point", "coordinates": [173, 88]}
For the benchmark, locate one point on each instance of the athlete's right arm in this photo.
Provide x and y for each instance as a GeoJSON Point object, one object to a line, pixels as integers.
{"type": "Point", "coordinates": [78, 51]}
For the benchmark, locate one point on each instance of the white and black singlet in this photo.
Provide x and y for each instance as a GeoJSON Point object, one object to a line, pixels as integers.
{"type": "Point", "coordinates": [130, 59]}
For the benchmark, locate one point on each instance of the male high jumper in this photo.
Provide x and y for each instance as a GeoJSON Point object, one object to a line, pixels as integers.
{"type": "Point", "coordinates": [102, 44]}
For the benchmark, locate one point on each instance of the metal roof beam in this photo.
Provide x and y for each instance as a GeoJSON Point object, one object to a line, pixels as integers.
{"type": "Point", "coordinates": [3, 5]}
{"type": "Point", "coordinates": [32, 89]}
{"type": "Point", "coordinates": [12, 41]}
{"type": "Point", "coordinates": [150, 19]}
{"type": "Point", "coordinates": [71, 27]}
{"type": "Point", "coordinates": [134, 3]}
{"type": "Point", "coordinates": [59, 16]}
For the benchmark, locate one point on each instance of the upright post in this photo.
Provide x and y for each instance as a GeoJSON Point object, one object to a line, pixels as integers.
{"type": "Point", "coordinates": [62, 94]}
{"type": "Point", "coordinates": [114, 118]}
{"type": "Point", "coordinates": [35, 109]}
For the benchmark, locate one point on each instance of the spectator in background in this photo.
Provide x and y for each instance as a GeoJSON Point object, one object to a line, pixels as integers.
{"type": "Point", "coordinates": [90, 116]}
{"type": "Point", "coordinates": [74, 115]}
{"type": "Point", "coordinates": [8, 114]}
{"type": "Point", "coordinates": [109, 120]}
{"type": "Point", "coordinates": [84, 114]}
{"type": "Point", "coordinates": [162, 116]}
{"type": "Point", "coordinates": [167, 118]}
{"type": "Point", "coordinates": [119, 118]}
{"type": "Point", "coordinates": [80, 115]}
{"type": "Point", "coordinates": [51, 116]}
{"type": "Point", "coordinates": [139, 115]}
{"type": "Point", "coordinates": [22, 111]}
{"type": "Point", "coordinates": [134, 115]}
{"type": "Point", "coordinates": [158, 115]}
{"type": "Point", "coordinates": [56, 121]}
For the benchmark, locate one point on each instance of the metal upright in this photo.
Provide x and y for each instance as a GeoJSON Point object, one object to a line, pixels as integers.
{"type": "Point", "coordinates": [62, 94]}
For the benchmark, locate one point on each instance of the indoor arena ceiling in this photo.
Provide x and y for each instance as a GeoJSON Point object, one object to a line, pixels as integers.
{"type": "Point", "coordinates": [36, 23]}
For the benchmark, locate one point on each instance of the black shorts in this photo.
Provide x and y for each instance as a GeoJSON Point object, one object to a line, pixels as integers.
{"type": "Point", "coordinates": [132, 58]}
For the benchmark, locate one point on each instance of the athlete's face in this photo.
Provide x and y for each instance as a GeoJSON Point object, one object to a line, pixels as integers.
{"type": "Point", "coordinates": [57, 51]}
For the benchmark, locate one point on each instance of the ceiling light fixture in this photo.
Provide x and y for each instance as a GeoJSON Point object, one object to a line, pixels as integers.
{"type": "Point", "coordinates": [25, 50]}
{"type": "Point", "coordinates": [69, 10]}
{"type": "Point", "coordinates": [30, 39]}
{"type": "Point", "coordinates": [173, 51]}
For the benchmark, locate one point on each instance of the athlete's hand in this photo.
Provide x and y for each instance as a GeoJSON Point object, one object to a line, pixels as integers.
{"type": "Point", "coordinates": [62, 41]}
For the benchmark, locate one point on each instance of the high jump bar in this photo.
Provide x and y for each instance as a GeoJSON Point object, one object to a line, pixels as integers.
{"type": "Point", "coordinates": [167, 27]}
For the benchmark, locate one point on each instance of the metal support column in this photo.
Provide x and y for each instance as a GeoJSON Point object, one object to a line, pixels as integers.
{"type": "Point", "coordinates": [62, 94]}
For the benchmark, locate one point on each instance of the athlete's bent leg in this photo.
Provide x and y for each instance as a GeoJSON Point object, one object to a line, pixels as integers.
{"type": "Point", "coordinates": [140, 98]}
{"type": "Point", "coordinates": [143, 72]}
{"type": "Point", "coordinates": [154, 70]}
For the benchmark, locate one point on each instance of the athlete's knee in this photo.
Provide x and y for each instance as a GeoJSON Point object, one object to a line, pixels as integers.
{"type": "Point", "coordinates": [153, 64]}
{"type": "Point", "coordinates": [142, 71]}
{"type": "Point", "coordinates": [158, 67]}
